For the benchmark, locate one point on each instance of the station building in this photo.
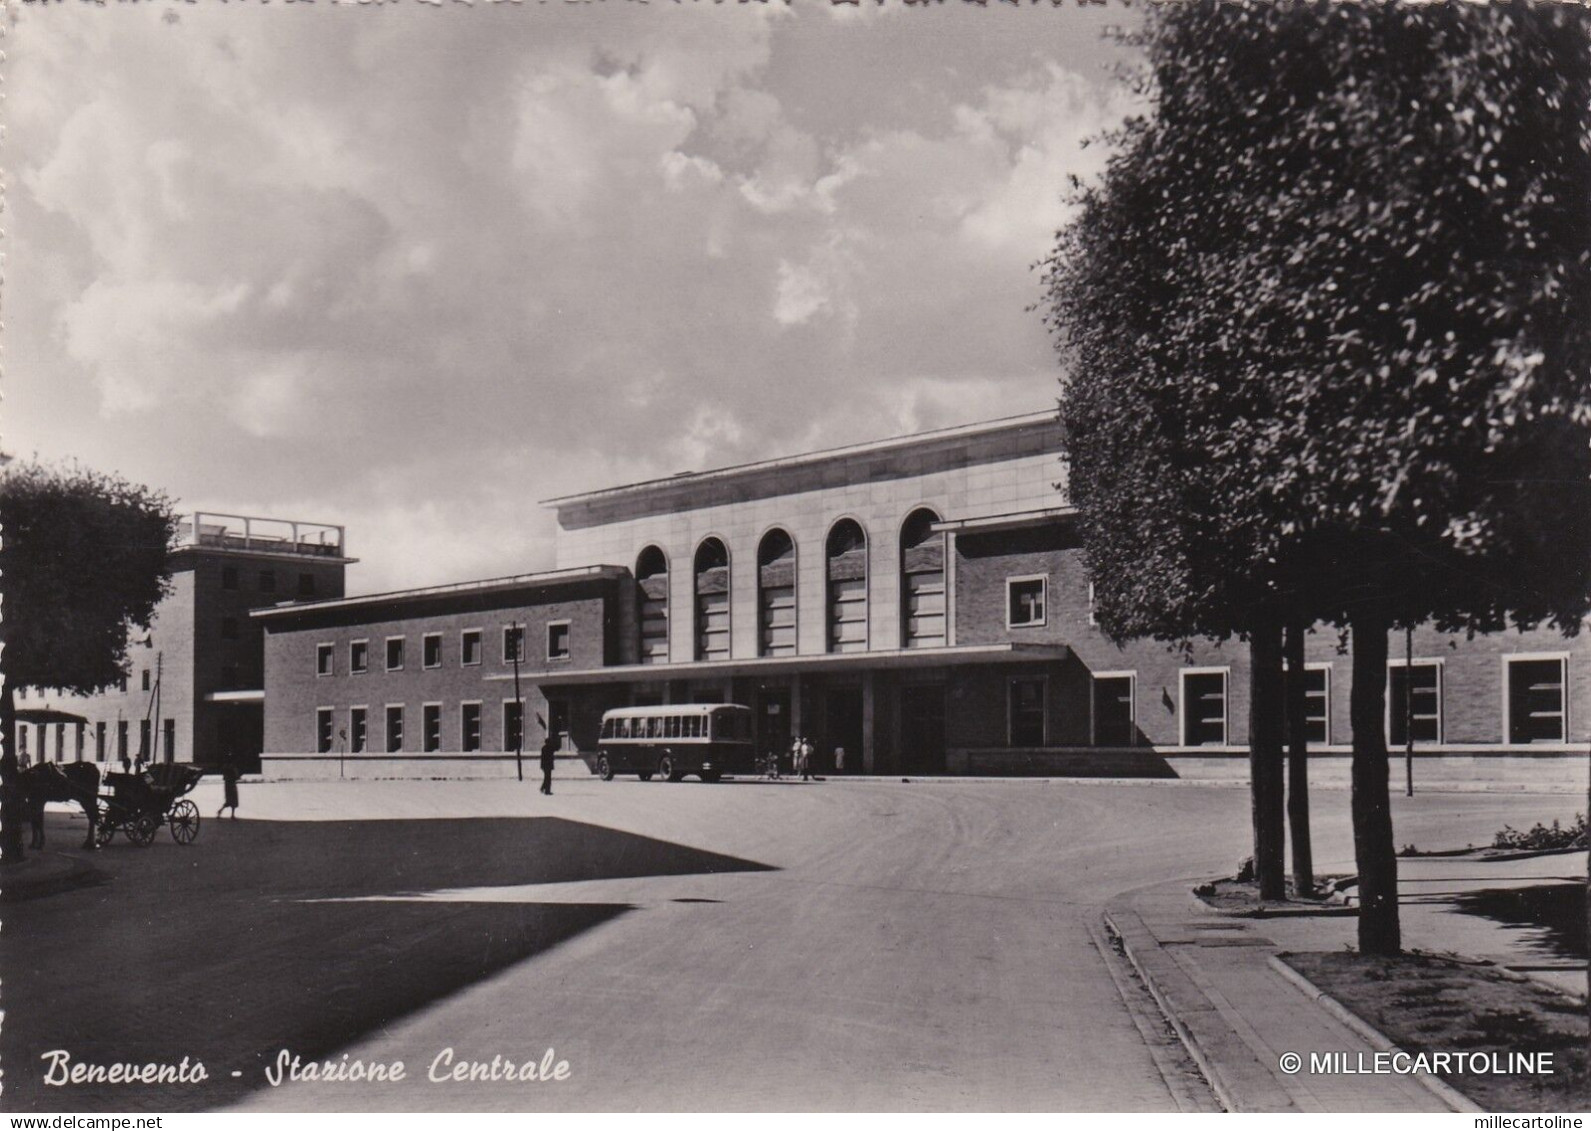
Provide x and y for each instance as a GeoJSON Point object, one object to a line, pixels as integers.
{"type": "Point", "coordinates": [195, 688]}
{"type": "Point", "coordinates": [920, 603]}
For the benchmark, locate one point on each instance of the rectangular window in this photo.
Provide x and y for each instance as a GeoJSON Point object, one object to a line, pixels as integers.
{"type": "Point", "coordinates": [306, 585]}
{"type": "Point", "coordinates": [1114, 721]}
{"type": "Point", "coordinates": [513, 723]}
{"type": "Point", "coordinates": [431, 650]}
{"type": "Point", "coordinates": [22, 740]}
{"type": "Point", "coordinates": [1024, 601]}
{"type": "Point", "coordinates": [99, 742]}
{"type": "Point", "coordinates": [146, 749]}
{"type": "Point", "coordinates": [514, 644]}
{"type": "Point", "coordinates": [323, 658]}
{"type": "Point", "coordinates": [1414, 702]}
{"type": "Point", "coordinates": [469, 727]}
{"type": "Point", "coordinates": [394, 653]}
{"type": "Point", "coordinates": [323, 730]}
{"type": "Point", "coordinates": [1317, 704]}
{"type": "Point", "coordinates": [1537, 699]}
{"type": "Point", "coordinates": [121, 739]}
{"type": "Point", "coordinates": [145, 675]}
{"type": "Point", "coordinates": [1092, 619]}
{"type": "Point", "coordinates": [1025, 719]}
{"type": "Point", "coordinates": [168, 736]}
{"type": "Point", "coordinates": [558, 640]}
{"type": "Point", "coordinates": [470, 646]}
{"type": "Point", "coordinates": [431, 727]}
{"type": "Point", "coordinates": [267, 581]}
{"type": "Point", "coordinates": [359, 656]}
{"type": "Point", "coordinates": [394, 729]}
{"type": "Point", "coordinates": [1204, 708]}
{"type": "Point", "coordinates": [229, 577]}
{"type": "Point", "coordinates": [60, 742]}
{"type": "Point", "coordinates": [82, 734]}
{"type": "Point", "coordinates": [358, 726]}
{"type": "Point", "coordinates": [229, 628]}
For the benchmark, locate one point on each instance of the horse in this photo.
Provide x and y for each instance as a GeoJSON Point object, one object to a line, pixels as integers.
{"type": "Point", "coordinates": [51, 781]}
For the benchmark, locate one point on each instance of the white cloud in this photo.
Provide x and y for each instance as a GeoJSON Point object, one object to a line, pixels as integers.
{"type": "Point", "coordinates": [413, 272]}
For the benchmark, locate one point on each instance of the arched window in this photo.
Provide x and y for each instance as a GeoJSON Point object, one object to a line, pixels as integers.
{"type": "Point", "coordinates": [776, 594]}
{"type": "Point", "coordinates": [922, 581]}
{"type": "Point", "coordinates": [846, 570]}
{"type": "Point", "coordinates": [712, 601]}
{"type": "Point", "coordinates": [651, 605]}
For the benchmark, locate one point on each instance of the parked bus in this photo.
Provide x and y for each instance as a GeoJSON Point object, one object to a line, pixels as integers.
{"type": "Point", "coordinates": [705, 739]}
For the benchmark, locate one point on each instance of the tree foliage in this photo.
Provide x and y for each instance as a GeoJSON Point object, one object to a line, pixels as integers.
{"type": "Point", "coordinates": [83, 559]}
{"type": "Point", "coordinates": [1326, 319]}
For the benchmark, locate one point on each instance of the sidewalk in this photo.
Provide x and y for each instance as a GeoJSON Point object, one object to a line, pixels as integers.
{"type": "Point", "coordinates": [1211, 972]}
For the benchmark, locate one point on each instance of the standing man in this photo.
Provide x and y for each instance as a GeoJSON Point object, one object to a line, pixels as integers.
{"type": "Point", "coordinates": [549, 750]}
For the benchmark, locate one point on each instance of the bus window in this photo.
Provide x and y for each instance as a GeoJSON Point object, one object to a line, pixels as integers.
{"type": "Point", "coordinates": [607, 728]}
{"type": "Point", "coordinates": [695, 726]}
{"type": "Point", "coordinates": [671, 727]}
{"type": "Point", "coordinates": [621, 728]}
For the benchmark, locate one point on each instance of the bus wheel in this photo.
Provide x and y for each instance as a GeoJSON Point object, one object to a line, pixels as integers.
{"type": "Point", "coordinates": [667, 769]}
{"type": "Point", "coordinates": [604, 768]}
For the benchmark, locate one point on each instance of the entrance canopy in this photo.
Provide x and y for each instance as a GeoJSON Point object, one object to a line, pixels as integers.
{"type": "Point", "coordinates": [804, 665]}
{"type": "Point", "coordinates": [46, 715]}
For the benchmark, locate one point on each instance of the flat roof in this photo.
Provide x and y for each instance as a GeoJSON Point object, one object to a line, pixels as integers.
{"type": "Point", "coordinates": [805, 459]}
{"type": "Point", "coordinates": [488, 585]}
{"type": "Point", "coordinates": [822, 661]}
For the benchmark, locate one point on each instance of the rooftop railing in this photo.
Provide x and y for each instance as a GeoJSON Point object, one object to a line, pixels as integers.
{"type": "Point", "coordinates": [216, 531]}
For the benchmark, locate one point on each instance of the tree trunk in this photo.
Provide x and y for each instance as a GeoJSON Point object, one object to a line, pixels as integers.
{"type": "Point", "coordinates": [12, 817]}
{"type": "Point", "coordinates": [1265, 758]}
{"type": "Point", "coordinates": [1374, 853]}
{"type": "Point", "coordinates": [1298, 762]}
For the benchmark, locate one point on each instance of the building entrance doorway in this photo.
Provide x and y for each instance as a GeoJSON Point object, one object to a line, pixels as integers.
{"type": "Point", "coordinates": [773, 722]}
{"type": "Point", "coordinates": [922, 729]}
{"type": "Point", "coordinates": [843, 709]}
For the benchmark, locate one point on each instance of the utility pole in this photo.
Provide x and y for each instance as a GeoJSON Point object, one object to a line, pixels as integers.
{"type": "Point", "coordinates": [518, 637]}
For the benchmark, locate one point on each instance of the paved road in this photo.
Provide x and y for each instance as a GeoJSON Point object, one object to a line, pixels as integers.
{"type": "Point", "coordinates": [918, 946]}
{"type": "Point", "coordinates": [844, 945]}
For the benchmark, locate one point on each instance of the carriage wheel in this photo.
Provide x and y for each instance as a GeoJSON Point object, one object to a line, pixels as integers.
{"type": "Point", "coordinates": [142, 830]}
{"type": "Point", "coordinates": [184, 822]}
{"type": "Point", "coordinates": [104, 829]}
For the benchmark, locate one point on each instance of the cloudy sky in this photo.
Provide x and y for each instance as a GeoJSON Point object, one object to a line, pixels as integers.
{"type": "Point", "coordinates": [414, 268]}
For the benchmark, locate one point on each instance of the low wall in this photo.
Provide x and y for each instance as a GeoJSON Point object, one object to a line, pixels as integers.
{"type": "Point", "coordinates": [374, 767]}
{"type": "Point", "coordinates": [1560, 771]}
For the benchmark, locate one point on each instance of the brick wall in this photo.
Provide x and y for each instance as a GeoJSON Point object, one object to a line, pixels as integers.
{"type": "Point", "coordinates": [1472, 670]}
{"type": "Point", "coordinates": [297, 692]}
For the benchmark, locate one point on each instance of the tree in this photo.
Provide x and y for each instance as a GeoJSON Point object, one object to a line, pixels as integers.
{"type": "Point", "coordinates": [84, 558]}
{"type": "Point", "coordinates": [1339, 279]}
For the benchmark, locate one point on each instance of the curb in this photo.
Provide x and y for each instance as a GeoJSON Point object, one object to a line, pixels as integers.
{"type": "Point", "coordinates": [1212, 1073]}
{"type": "Point", "coordinates": [1378, 1040]}
{"type": "Point", "coordinates": [1100, 933]}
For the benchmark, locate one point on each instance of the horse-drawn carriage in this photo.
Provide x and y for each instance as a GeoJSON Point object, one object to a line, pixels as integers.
{"type": "Point", "coordinates": [139, 803]}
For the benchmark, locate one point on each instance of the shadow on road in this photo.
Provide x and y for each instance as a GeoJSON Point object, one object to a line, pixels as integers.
{"type": "Point", "coordinates": [214, 953]}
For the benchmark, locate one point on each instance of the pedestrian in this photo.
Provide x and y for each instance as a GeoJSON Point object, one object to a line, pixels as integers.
{"type": "Point", "coordinates": [229, 782]}
{"type": "Point", "coordinates": [549, 751]}
{"type": "Point", "coordinates": [804, 758]}
{"type": "Point", "coordinates": [839, 759]}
